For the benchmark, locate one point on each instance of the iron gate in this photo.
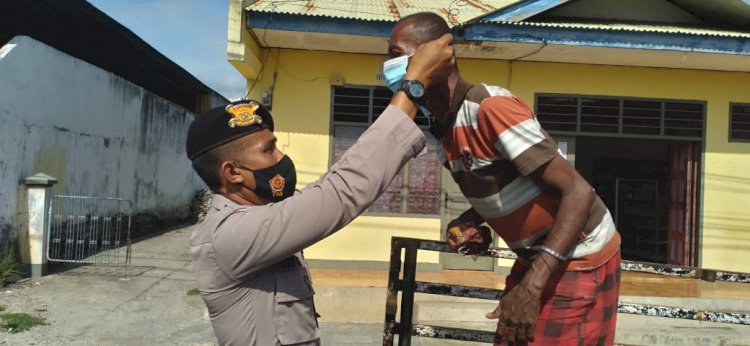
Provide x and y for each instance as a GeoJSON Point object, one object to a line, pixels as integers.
{"type": "Point", "coordinates": [407, 284]}
{"type": "Point", "coordinates": [89, 230]}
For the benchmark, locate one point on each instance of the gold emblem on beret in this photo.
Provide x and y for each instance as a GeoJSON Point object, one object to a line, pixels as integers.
{"type": "Point", "coordinates": [244, 114]}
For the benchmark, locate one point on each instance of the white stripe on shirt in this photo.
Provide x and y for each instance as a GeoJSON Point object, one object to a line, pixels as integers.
{"type": "Point", "coordinates": [513, 196]}
{"type": "Point", "coordinates": [519, 138]}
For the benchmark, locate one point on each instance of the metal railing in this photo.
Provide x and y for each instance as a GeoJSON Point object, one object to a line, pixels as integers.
{"type": "Point", "coordinates": [408, 286]}
{"type": "Point", "coordinates": [89, 230]}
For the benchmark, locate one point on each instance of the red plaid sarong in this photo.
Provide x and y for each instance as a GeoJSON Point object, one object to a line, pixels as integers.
{"type": "Point", "coordinates": [578, 307]}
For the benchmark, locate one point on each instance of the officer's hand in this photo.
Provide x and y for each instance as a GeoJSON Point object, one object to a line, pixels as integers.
{"type": "Point", "coordinates": [432, 62]}
{"type": "Point", "coordinates": [467, 238]}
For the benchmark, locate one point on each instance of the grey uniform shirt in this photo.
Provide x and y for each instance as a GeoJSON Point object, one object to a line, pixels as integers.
{"type": "Point", "coordinates": [250, 298]}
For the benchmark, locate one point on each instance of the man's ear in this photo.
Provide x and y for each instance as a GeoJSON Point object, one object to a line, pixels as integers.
{"type": "Point", "coordinates": [231, 173]}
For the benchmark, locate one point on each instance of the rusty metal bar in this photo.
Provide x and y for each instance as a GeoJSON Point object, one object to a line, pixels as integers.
{"type": "Point", "coordinates": [439, 332]}
{"type": "Point", "coordinates": [391, 300]}
{"type": "Point", "coordinates": [407, 294]}
{"type": "Point", "coordinates": [458, 290]}
{"type": "Point", "coordinates": [626, 265]}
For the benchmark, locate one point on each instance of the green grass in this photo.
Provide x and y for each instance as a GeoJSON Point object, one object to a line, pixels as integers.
{"type": "Point", "coordinates": [19, 322]}
{"type": "Point", "coordinates": [193, 292]}
{"type": "Point", "coordinates": [8, 267]}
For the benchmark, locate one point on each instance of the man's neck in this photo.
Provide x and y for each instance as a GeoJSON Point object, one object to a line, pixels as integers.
{"type": "Point", "coordinates": [457, 88]}
{"type": "Point", "coordinates": [240, 198]}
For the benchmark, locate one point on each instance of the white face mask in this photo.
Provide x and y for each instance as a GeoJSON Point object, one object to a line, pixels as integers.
{"type": "Point", "coordinates": [394, 72]}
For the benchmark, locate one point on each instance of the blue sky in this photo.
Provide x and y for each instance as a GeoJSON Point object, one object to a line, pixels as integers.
{"type": "Point", "coordinates": [192, 33]}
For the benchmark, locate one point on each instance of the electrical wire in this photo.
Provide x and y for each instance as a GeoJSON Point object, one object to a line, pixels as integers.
{"type": "Point", "coordinates": [265, 60]}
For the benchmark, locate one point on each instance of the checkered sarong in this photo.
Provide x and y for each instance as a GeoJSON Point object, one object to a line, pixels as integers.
{"type": "Point", "coordinates": [578, 307]}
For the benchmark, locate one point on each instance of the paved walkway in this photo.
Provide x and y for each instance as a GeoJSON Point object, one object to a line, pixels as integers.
{"type": "Point", "coordinates": [149, 305]}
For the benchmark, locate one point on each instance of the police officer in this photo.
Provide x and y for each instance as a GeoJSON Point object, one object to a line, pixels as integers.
{"type": "Point", "coordinates": [247, 253]}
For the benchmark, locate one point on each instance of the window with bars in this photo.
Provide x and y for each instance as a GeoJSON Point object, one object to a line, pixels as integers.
{"type": "Point", "coordinates": [635, 117]}
{"type": "Point", "coordinates": [739, 122]}
{"type": "Point", "coordinates": [416, 190]}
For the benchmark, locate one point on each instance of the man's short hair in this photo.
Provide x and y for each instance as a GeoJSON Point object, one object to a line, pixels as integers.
{"type": "Point", "coordinates": [426, 26]}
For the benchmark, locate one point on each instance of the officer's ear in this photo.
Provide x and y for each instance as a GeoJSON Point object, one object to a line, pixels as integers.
{"type": "Point", "coordinates": [231, 172]}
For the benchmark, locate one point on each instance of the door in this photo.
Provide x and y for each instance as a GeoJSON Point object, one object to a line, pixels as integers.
{"type": "Point", "coordinates": [684, 167]}
{"type": "Point", "coordinates": [454, 204]}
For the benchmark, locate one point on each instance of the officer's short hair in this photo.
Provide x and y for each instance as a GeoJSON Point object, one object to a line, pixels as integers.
{"type": "Point", "coordinates": [208, 165]}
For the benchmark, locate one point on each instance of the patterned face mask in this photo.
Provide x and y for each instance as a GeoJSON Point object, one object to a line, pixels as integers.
{"type": "Point", "coordinates": [277, 182]}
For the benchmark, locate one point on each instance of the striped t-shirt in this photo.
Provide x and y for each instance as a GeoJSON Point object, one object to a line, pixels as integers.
{"type": "Point", "coordinates": [495, 144]}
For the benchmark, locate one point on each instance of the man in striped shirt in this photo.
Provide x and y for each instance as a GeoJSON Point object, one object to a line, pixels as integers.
{"type": "Point", "coordinates": [563, 289]}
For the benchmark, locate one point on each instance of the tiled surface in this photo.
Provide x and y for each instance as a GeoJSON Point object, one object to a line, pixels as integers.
{"type": "Point", "coordinates": [633, 284]}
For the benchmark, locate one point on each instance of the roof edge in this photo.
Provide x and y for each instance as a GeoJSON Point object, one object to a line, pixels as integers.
{"type": "Point", "coordinates": [520, 11]}
{"type": "Point", "coordinates": [683, 42]}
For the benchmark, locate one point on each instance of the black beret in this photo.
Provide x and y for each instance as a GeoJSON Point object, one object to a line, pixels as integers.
{"type": "Point", "coordinates": [222, 125]}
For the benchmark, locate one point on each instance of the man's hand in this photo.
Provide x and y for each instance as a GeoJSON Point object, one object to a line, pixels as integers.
{"type": "Point", "coordinates": [517, 313]}
{"type": "Point", "coordinates": [467, 238]}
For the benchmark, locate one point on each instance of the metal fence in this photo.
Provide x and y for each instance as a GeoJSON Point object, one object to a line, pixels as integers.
{"type": "Point", "coordinates": [89, 230]}
{"type": "Point", "coordinates": [405, 328]}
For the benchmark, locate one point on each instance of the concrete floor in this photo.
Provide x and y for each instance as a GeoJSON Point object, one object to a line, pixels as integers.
{"type": "Point", "coordinates": [148, 305]}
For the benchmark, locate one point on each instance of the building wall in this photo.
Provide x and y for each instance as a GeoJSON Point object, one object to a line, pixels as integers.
{"type": "Point", "coordinates": [97, 133]}
{"type": "Point", "coordinates": [301, 108]}
{"type": "Point", "coordinates": [725, 222]}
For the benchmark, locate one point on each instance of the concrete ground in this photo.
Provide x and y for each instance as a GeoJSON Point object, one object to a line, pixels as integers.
{"type": "Point", "coordinates": [148, 305]}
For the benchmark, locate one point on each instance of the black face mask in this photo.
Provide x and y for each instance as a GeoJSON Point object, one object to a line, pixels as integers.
{"type": "Point", "coordinates": [277, 182]}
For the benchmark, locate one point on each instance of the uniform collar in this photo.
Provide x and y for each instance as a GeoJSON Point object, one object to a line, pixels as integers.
{"type": "Point", "coordinates": [220, 202]}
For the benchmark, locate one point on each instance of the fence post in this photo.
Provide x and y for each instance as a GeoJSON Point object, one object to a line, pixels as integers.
{"type": "Point", "coordinates": [391, 300]}
{"type": "Point", "coordinates": [32, 233]}
{"type": "Point", "coordinates": [407, 294]}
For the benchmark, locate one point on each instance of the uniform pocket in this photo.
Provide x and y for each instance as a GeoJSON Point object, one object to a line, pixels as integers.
{"type": "Point", "coordinates": [294, 315]}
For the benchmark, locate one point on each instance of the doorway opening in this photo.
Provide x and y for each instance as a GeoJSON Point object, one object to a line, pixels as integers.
{"type": "Point", "coordinates": [651, 187]}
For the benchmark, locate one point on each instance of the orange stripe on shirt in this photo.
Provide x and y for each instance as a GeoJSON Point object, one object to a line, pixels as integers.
{"type": "Point", "coordinates": [464, 137]}
{"type": "Point", "coordinates": [535, 216]}
{"type": "Point", "coordinates": [499, 113]}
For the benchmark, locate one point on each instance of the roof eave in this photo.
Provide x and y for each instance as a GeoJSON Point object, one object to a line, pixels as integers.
{"type": "Point", "coordinates": [498, 32]}
{"type": "Point", "coordinates": [317, 24]}
{"type": "Point", "coordinates": [509, 32]}
{"type": "Point", "coordinates": [520, 11]}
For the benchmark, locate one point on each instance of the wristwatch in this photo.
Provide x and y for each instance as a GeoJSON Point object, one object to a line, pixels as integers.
{"type": "Point", "coordinates": [414, 90]}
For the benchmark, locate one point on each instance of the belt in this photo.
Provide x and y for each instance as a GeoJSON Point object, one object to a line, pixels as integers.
{"type": "Point", "coordinates": [288, 263]}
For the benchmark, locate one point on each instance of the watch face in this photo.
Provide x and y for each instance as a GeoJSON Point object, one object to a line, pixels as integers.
{"type": "Point", "coordinates": [416, 90]}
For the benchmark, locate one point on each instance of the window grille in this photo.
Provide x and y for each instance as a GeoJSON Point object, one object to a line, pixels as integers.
{"type": "Point", "coordinates": [739, 122]}
{"type": "Point", "coordinates": [416, 190]}
{"type": "Point", "coordinates": [619, 116]}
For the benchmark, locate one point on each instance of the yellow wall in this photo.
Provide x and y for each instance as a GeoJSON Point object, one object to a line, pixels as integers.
{"type": "Point", "coordinates": [301, 108]}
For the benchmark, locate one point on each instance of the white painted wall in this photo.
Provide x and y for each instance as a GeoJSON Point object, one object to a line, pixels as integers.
{"type": "Point", "coordinates": [97, 133]}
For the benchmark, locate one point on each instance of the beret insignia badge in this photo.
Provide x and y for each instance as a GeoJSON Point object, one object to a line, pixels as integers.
{"type": "Point", "coordinates": [243, 114]}
{"type": "Point", "coordinates": [277, 185]}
